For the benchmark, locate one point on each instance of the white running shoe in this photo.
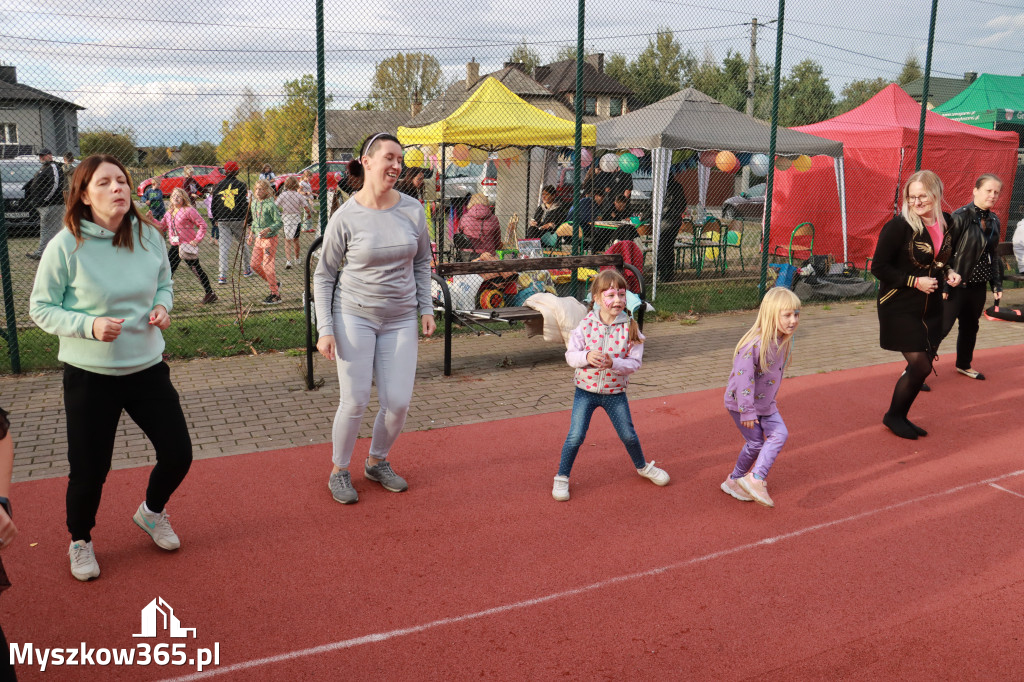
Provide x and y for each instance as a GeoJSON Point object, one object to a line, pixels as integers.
{"type": "Point", "coordinates": [83, 561]}
{"type": "Point", "coordinates": [158, 526]}
{"type": "Point", "coordinates": [654, 474]}
{"type": "Point", "coordinates": [561, 489]}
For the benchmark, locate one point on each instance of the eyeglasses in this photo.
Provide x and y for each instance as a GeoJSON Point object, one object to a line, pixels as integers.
{"type": "Point", "coordinates": [919, 200]}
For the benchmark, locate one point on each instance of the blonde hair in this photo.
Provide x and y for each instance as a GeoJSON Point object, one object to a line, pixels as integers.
{"type": "Point", "coordinates": [765, 331]}
{"type": "Point", "coordinates": [292, 183]}
{"type": "Point", "coordinates": [186, 200]}
{"type": "Point", "coordinates": [263, 184]}
{"type": "Point", "coordinates": [933, 188]}
{"type": "Point", "coordinates": [478, 199]}
{"type": "Point", "coordinates": [613, 279]}
{"type": "Point", "coordinates": [188, 170]}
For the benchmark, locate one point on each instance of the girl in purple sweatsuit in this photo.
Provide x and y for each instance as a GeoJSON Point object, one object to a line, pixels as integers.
{"type": "Point", "coordinates": [758, 362]}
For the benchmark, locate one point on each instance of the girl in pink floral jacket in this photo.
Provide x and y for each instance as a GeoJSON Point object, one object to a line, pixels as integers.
{"type": "Point", "coordinates": [605, 349]}
{"type": "Point", "coordinates": [185, 228]}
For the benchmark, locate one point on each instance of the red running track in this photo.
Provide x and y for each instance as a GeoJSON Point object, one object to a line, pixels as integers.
{"type": "Point", "coordinates": [884, 559]}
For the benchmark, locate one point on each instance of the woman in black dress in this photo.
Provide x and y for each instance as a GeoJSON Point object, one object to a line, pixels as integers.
{"type": "Point", "coordinates": [911, 257]}
{"type": "Point", "coordinates": [975, 236]}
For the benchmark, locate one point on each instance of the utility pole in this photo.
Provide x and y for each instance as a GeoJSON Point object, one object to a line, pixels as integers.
{"type": "Point", "coordinates": [751, 70]}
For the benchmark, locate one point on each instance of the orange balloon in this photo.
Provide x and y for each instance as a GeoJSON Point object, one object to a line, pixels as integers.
{"type": "Point", "coordinates": [460, 152]}
{"type": "Point", "coordinates": [802, 163]}
{"type": "Point", "coordinates": [727, 162]}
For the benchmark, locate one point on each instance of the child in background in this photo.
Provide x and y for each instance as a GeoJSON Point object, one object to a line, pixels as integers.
{"type": "Point", "coordinates": [758, 362]}
{"type": "Point", "coordinates": [154, 199]}
{"type": "Point", "coordinates": [185, 228]}
{"type": "Point", "coordinates": [605, 349]}
{"type": "Point", "coordinates": [266, 223]}
{"type": "Point", "coordinates": [214, 232]}
{"type": "Point", "coordinates": [293, 205]}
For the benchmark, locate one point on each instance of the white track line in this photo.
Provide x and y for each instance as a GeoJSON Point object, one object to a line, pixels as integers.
{"type": "Point", "coordinates": [401, 632]}
{"type": "Point", "coordinates": [999, 487]}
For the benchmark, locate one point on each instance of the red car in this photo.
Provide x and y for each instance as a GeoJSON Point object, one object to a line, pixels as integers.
{"type": "Point", "coordinates": [204, 175]}
{"type": "Point", "coordinates": [335, 171]}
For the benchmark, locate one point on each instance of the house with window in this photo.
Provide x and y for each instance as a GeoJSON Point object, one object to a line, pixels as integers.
{"type": "Point", "coordinates": [603, 96]}
{"type": "Point", "coordinates": [347, 128]}
{"type": "Point", "coordinates": [31, 119]}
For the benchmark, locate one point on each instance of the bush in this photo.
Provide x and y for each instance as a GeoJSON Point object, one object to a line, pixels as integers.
{"type": "Point", "coordinates": [119, 144]}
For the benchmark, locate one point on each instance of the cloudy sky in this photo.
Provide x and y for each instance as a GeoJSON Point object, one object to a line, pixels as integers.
{"type": "Point", "coordinates": [173, 71]}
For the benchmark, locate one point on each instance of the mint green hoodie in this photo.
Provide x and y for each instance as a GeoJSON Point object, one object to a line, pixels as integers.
{"type": "Point", "coordinates": [76, 284]}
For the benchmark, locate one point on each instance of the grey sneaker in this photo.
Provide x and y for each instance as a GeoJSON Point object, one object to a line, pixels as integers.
{"type": "Point", "coordinates": [340, 485]}
{"type": "Point", "coordinates": [83, 561]}
{"type": "Point", "coordinates": [383, 473]}
{"type": "Point", "coordinates": [158, 526]}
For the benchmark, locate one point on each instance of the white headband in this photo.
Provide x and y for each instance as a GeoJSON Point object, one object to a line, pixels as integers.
{"type": "Point", "coordinates": [366, 146]}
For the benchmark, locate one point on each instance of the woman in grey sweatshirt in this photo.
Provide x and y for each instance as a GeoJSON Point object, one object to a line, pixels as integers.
{"type": "Point", "coordinates": [367, 314]}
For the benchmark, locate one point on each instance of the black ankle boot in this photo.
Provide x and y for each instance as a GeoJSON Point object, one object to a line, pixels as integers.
{"type": "Point", "coordinates": [900, 426]}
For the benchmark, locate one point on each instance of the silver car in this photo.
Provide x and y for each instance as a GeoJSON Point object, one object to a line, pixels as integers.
{"type": "Point", "coordinates": [474, 178]}
{"type": "Point", "coordinates": [20, 221]}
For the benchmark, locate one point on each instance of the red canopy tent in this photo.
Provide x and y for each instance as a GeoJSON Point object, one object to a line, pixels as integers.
{"type": "Point", "coordinates": [880, 150]}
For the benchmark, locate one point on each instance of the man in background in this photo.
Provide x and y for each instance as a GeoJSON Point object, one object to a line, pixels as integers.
{"type": "Point", "coordinates": [45, 193]}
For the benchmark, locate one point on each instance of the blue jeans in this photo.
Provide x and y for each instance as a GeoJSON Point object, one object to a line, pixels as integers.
{"type": "Point", "coordinates": [617, 407]}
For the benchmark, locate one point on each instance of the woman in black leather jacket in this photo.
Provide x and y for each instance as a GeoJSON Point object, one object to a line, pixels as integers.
{"type": "Point", "coordinates": [975, 237]}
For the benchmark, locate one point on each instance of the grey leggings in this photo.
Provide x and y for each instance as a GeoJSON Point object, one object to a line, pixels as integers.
{"type": "Point", "coordinates": [232, 231]}
{"type": "Point", "coordinates": [368, 350]}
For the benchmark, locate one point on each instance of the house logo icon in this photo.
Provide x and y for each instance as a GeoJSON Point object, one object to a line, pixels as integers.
{"type": "Point", "coordinates": [159, 612]}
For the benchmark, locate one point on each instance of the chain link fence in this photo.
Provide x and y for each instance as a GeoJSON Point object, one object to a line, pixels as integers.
{"type": "Point", "coordinates": [676, 101]}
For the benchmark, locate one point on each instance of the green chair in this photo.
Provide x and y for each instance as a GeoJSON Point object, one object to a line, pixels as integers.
{"type": "Point", "coordinates": [801, 244]}
{"type": "Point", "coordinates": [733, 240]}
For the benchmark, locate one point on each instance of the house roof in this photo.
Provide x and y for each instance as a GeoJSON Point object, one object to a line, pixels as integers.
{"type": "Point", "coordinates": [940, 90]}
{"type": "Point", "coordinates": [346, 127]}
{"type": "Point", "coordinates": [560, 78]}
{"type": "Point", "coordinates": [17, 92]}
{"type": "Point", "coordinates": [511, 77]}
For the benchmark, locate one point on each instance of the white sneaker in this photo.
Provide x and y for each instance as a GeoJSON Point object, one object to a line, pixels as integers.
{"type": "Point", "coordinates": [158, 526]}
{"type": "Point", "coordinates": [654, 474]}
{"type": "Point", "coordinates": [561, 490]}
{"type": "Point", "coordinates": [83, 561]}
{"type": "Point", "coordinates": [287, 265]}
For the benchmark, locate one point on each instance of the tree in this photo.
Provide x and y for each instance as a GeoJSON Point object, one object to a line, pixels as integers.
{"type": "Point", "coordinates": [363, 106]}
{"type": "Point", "coordinates": [399, 78]}
{"type": "Point", "coordinates": [656, 73]}
{"type": "Point", "coordinates": [526, 56]}
{"type": "Point", "coordinates": [859, 91]}
{"type": "Point", "coordinates": [202, 154]}
{"type": "Point", "coordinates": [911, 71]}
{"type": "Point", "coordinates": [118, 143]}
{"type": "Point", "coordinates": [805, 96]}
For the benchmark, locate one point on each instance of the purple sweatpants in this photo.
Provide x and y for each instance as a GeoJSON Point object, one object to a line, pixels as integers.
{"type": "Point", "coordinates": [762, 446]}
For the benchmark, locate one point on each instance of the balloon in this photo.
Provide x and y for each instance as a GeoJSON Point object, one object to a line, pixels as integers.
{"type": "Point", "coordinates": [477, 155]}
{"type": "Point", "coordinates": [462, 163]}
{"type": "Point", "coordinates": [759, 165]}
{"type": "Point", "coordinates": [727, 162]}
{"type": "Point", "coordinates": [638, 153]}
{"type": "Point", "coordinates": [586, 158]}
{"type": "Point", "coordinates": [629, 163]}
{"type": "Point", "coordinates": [460, 152]}
{"type": "Point", "coordinates": [802, 163]}
{"type": "Point", "coordinates": [783, 163]}
{"type": "Point", "coordinates": [509, 152]}
{"type": "Point", "coordinates": [707, 158]}
{"type": "Point", "coordinates": [413, 157]}
{"type": "Point", "coordinates": [609, 162]}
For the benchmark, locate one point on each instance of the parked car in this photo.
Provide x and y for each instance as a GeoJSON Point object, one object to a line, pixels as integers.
{"type": "Point", "coordinates": [749, 204]}
{"type": "Point", "coordinates": [15, 173]}
{"type": "Point", "coordinates": [336, 170]}
{"type": "Point", "coordinates": [204, 175]}
{"type": "Point", "coordinates": [462, 183]}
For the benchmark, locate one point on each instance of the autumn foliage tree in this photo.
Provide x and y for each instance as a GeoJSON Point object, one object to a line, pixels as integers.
{"type": "Point", "coordinates": [399, 79]}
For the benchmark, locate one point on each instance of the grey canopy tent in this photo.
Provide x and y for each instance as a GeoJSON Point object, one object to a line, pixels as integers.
{"type": "Point", "coordinates": [689, 119]}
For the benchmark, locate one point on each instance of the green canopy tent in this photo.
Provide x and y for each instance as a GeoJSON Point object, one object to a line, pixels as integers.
{"type": "Point", "coordinates": [991, 102]}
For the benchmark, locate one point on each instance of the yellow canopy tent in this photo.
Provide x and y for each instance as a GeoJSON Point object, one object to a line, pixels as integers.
{"type": "Point", "coordinates": [494, 118]}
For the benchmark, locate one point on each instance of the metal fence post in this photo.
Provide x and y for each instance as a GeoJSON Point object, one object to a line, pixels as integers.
{"type": "Point", "coordinates": [770, 178]}
{"type": "Point", "coordinates": [924, 90]}
{"type": "Point", "coordinates": [321, 115]}
{"type": "Point", "coordinates": [11, 328]}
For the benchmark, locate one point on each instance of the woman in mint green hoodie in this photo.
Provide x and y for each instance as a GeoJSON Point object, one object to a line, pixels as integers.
{"type": "Point", "coordinates": [104, 287]}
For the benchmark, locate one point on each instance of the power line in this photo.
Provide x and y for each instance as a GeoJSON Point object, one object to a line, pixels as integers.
{"type": "Point", "coordinates": [860, 54]}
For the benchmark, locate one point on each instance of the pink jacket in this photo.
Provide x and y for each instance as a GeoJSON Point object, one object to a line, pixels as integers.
{"type": "Point", "coordinates": [593, 334]}
{"type": "Point", "coordinates": [482, 228]}
{"type": "Point", "coordinates": [184, 226]}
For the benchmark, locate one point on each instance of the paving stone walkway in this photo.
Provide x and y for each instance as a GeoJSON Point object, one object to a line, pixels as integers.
{"type": "Point", "coordinates": [252, 403]}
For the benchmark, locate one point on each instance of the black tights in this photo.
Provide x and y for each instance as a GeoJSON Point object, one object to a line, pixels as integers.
{"type": "Point", "coordinates": [919, 365]}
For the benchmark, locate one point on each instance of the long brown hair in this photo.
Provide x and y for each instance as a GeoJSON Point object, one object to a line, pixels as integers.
{"type": "Point", "coordinates": [76, 210]}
